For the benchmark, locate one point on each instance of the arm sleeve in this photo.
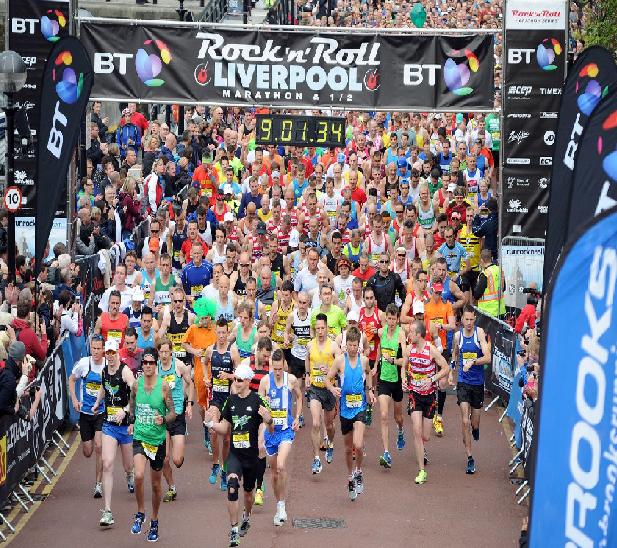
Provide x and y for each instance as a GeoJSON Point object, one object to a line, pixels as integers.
{"type": "Point", "coordinates": [480, 286]}
{"type": "Point", "coordinates": [478, 227]}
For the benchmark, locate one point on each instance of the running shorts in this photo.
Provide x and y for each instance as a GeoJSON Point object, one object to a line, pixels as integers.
{"type": "Point", "coordinates": [392, 389]}
{"type": "Point", "coordinates": [155, 454]}
{"type": "Point", "coordinates": [323, 396]}
{"type": "Point", "coordinates": [347, 424]}
{"type": "Point", "coordinates": [273, 440]}
{"type": "Point", "coordinates": [245, 468]}
{"type": "Point", "coordinates": [119, 432]}
{"type": "Point", "coordinates": [178, 427]}
{"type": "Point", "coordinates": [89, 425]}
{"type": "Point", "coordinates": [426, 403]}
{"type": "Point", "coordinates": [296, 366]}
{"type": "Point", "coordinates": [473, 394]}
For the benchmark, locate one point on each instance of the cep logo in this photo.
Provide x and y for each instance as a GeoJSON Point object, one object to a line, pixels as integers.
{"type": "Point", "coordinates": [546, 161]}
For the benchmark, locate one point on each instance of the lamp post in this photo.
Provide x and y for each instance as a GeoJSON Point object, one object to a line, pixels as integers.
{"type": "Point", "coordinates": [12, 79]}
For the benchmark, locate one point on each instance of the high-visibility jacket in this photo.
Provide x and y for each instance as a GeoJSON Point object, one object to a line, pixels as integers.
{"type": "Point", "coordinates": [491, 302]}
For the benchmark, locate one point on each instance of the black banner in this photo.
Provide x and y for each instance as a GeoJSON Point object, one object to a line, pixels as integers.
{"type": "Point", "coordinates": [535, 65]}
{"type": "Point", "coordinates": [590, 79]}
{"type": "Point", "coordinates": [173, 62]}
{"type": "Point", "coordinates": [528, 416]}
{"type": "Point", "coordinates": [33, 28]}
{"type": "Point", "coordinates": [67, 81]}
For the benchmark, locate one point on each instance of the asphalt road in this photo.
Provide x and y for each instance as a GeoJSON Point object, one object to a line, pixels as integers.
{"type": "Point", "coordinates": [452, 509]}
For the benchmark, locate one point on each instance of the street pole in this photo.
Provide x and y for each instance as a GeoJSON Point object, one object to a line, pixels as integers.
{"type": "Point", "coordinates": [10, 180]}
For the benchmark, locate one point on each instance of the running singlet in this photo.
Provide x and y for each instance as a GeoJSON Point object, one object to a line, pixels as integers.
{"type": "Point", "coordinates": [114, 329]}
{"type": "Point", "coordinates": [195, 278]}
{"type": "Point", "coordinates": [177, 331]}
{"type": "Point", "coordinates": [278, 329]}
{"type": "Point", "coordinates": [243, 415]}
{"type": "Point", "coordinates": [161, 290]}
{"type": "Point", "coordinates": [147, 406]}
{"type": "Point", "coordinates": [220, 362]}
{"type": "Point", "coordinates": [146, 284]}
{"type": "Point", "coordinates": [321, 361]}
{"type": "Point", "coordinates": [470, 349]}
{"type": "Point", "coordinates": [117, 394]}
{"type": "Point", "coordinates": [225, 311]}
{"type": "Point", "coordinates": [426, 219]}
{"type": "Point", "coordinates": [302, 335]}
{"type": "Point", "coordinates": [245, 346]}
{"type": "Point", "coordinates": [353, 396]}
{"type": "Point", "coordinates": [259, 373]}
{"type": "Point", "coordinates": [240, 287]}
{"type": "Point", "coordinates": [176, 384]}
{"type": "Point", "coordinates": [90, 385]}
{"type": "Point", "coordinates": [375, 250]}
{"type": "Point", "coordinates": [420, 368]}
{"type": "Point", "coordinates": [369, 324]}
{"type": "Point", "coordinates": [280, 403]}
{"type": "Point", "coordinates": [390, 348]}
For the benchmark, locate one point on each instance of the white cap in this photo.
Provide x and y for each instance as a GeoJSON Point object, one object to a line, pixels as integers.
{"type": "Point", "coordinates": [353, 316]}
{"type": "Point", "coordinates": [111, 344]}
{"type": "Point", "coordinates": [227, 189]}
{"type": "Point", "coordinates": [275, 173]}
{"type": "Point", "coordinates": [138, 295]}
{"type": "Point", "coordinates": [244, 372]}
{"type": "Point", "coordinates": [418, 307]}
{"type": "Point", "coordinates": [451, 187]}
{"type": "Point", "coordinates": [229, 216]}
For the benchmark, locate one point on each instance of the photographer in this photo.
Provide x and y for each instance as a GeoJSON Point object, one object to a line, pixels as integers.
{"type": "Point", "coordinates": [16, 367]}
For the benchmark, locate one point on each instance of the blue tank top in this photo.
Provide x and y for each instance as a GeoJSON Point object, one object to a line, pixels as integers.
{"type": "Point", "coordinates": [299, 189]}
{"type": "Point", "coordinates": [447, 295]}
{"type": "Point", "coordinates": [221, 362]}
{"type": "Point", "coordinates": [280, 403]}
{"type": "Point", "coordinates": [353, 396]}
{"type": "Point", "coordinates": [482, 201]}
{"type": "Point", "coordinates": [176, 384]}
{"type": "Point", "coordinates": [226, 312]}
{"type": "Point", "coordinates": [90, 386]}
{"type": "Point", "coordinates": [145, 343]}
{"type": "Point", "coordinates": [470, 349]}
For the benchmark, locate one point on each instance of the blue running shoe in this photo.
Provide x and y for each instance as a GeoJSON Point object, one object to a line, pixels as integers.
{"type": "Point", "coordinates": [316, 467]}
{"type": "Point", "coordinates": [385, 460]}
{"type": "Point", "coordinates": [329, 453]}
{"type": "Point", "coordinates": [153, 534]}
{"type": "Point", "coordinates": [139, 521]}
{"type": "Point", "coordinates": [214, 474]}
{"type": "Point", "coordinates": [400, 440]}
{"type": "Point", "coordinates": [223, 480]}
{"type": "Point", "coordinates": [301, 421]}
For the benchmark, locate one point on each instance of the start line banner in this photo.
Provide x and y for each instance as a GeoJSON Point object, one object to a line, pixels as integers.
{"type": "Point", "coordinates": [168, 62]}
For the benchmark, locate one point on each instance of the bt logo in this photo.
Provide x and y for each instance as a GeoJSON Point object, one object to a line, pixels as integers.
{"type": "Point", "coordinates": [51, 25]}
{"type": "Point", "coordinates": [457, 76]}
{"type": "Point", "coordinates": [609, 163]}
{"type": "Point", "coordinates": [546, 52]}
{"type": "Point", "coordinates": [68, 84]}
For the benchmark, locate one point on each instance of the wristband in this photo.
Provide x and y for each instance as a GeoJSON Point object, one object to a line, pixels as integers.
{"type": "Point", "coordinates": [131, 419]}
{"type": "Point", "coordinates": [209, 424]}
{"type": "Point", "coordinates": [191, 402]}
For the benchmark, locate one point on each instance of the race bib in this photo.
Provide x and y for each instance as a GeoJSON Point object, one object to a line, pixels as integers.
{"type": "Point", "coordinates": [150, 450]}
{"type": "Point", "coordinates": [92, 388]}
{"type": "Point", "coordinates": [112, 412]}
{"type": "Point", "coordinates": [353, 400]}
{"type": "Point", "coordinates": [241, 440]}
{"type": "Point", "coordinates": [470, 355]}
{"type": "Point", "coordinates": [318, 378]}
{"type": "Point", "coordinates": [196, 290]}
{"type": "Point", "coordinates": [220, 385]}
{"type": "Point", "coordinates": [114, 334]}
{"type": "Point", "coordinates": [279, 417]}
{"type": "Point", "coordinates": [437, 321]}
{"type": "Point", "coordinates": [170, 380]}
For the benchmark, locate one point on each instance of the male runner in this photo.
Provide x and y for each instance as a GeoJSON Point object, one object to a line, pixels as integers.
{"type": "Point", "coordinates": [241, 416]}
{"type": "Point", "coordinates": [117, 379]}
{"type": "Point", "coordinates": [178, 376]}
{"type": "Point", "coordinates": [471, 352]}
{"type": "Point", "coordinates": [423, 360]}
{"type": "Point", "coordinates": [390, 359]}
{"type": "Point", "coordinates": [354, 372]}
{"type": "Point", "coordinates": [222, 358]}
{"type": "Point", "coordinates": [151, 408]}
{"type": "Point", "coordinates": [89, 371]}
{"type": "Point", "coordinates": [277, 388]}
{"type": "Point", "coordinates": [321, 352]}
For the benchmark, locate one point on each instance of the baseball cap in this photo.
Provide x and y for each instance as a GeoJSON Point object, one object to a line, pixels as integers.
{"type": "Point", "coordinates": [244, 372]}
{"type": "Point", "coordinates": [17, 351]}
{"type": "Point", "coordinates": [229, 216]}
{"type": "Point", "coordinates": [353, 316]}
{"type": "Point", "coordinates": [111, 344]}
{"type": "Point", "coordinates": [418, 307]}
{"type": "Point", "coordinates": [402, 162]}
{"type": "Point", "coordinates": [340, 158]}
{"type": "Point", "coordinates": [261, 228]}
{"type": "Point", "coordinates": [227, 189]}
{"type": "Point", "coordinates": [344, 261]}
{"type": "Point", "coordinates": [437, 287]}
{"type": "Point", "coordinates": [138, 295]}
{"type": "Point", "coordinates": [451, 187]}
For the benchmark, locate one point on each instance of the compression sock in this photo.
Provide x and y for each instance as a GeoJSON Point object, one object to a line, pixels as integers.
{"type": "Point", "coordinates": [261, 470]}
{"type": "Point", "coordinates": [441, 401]}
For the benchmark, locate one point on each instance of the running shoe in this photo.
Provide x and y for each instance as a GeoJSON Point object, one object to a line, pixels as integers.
{"type": "Point", "coordinates": [153, 534]}
{"type": "Point", "coordinates": [259, 497]}
{"type": "Point", "coordinates": [234, 537]}
{"type": "Point", "coordinates": [385, 460]}
{"type": "Point", "coordinates": [475, 432]}
{"type": "Point", "coordinates": [359, 483]}
{"type": "Point", "coordinates": [330, 453]}
{"type": "Point", "coordinates": [316, 467]}
{"type": "Point", "coordinates": [216, 468]}
{"type": "Point", "coordinates": [130, 481]}
{"type": "Point", "coordinates": [171, 494]}
{"type": "Point", "coordinates": [421, 477]}
{"type": "Point", "coordinates": [283, 511]}
{"type": "Point", "coordinates": [223, 480]}
{"type": "Point", "coordinates": [301, 421]}
{"type": "Point", "coordinates": [400, 440]}
{"type": "Point", "coordinates": [351, 486]}
{"type": "Point", "coordinates": [368, 416]}
{"type": "Point", "coordinates": [426, 459]}
{"type": "Point", "coordinates": [207, 442]}
{"type": "Point", "coordinates": [280, 516]}
{"type": "Point", "coordinates": [137, 524]}
{"type": "Point", "coordinates": [438, 425]}
{"type": "Point", "coordinates": [98, 490]}
{"type": "Point", "coordinates": [245, 525]}
{"type": "Point", "coordinates": [471, 466]}
{"type": "Point", "coordinates": [107, 518]}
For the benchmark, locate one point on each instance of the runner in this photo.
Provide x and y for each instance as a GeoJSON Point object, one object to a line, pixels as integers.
{"type": "Point", "coordinates": [178, 376]}
{"type": "Point", "coordinates": [176, 322]}
{"type": "Point", "coordinates": [423, 360]}
{"type": "Point", "coordinates": [321, 352]}
{"type": "Point", "coordinates": [355, 391]}
{"type": "Point", "coordinates": [115, 390]}
{"type": "Point", "coordinates": [390, 359]}
{"type": "Point", "coordinates": [112, 324]}
{"type": "Point", "coordinates": [471, 353]}
{"type": "Point", "coordinates": [151, 408]}
{"type": "Point", "coordinates": [89, 371]}
{"type": "Point", "coordinates": [221, 359]}
{"type": "Point", "coordinates": [241, 416]}
{"type": "Point", "coordinates": [246, 331]}
{"type": "Point", "coordinates": [277, 388]}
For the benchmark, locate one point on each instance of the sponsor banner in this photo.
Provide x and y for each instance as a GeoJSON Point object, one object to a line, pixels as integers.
{"type": "Point", "coordinates": [528, 415]}
{"type": "Point", "coordinates": [24, 228]}
{"type": "Point", "coordinates": [522, 266]}
{"type": "Point", "coordinates": [591, 78]}
{"type": "Point", "coordinates": [167, 62]}
{"type": "Point", "coordinates": [67, 81]}
{"type": "Point", "coordinates": [33, 26]}
{"type": "Point", "coordinates": [535, 65]}
{"type": "Point", "coordinates": [575, 441]}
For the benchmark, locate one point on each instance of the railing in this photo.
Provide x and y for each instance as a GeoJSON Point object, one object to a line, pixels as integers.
{"type": "Point", "coordinates": [283, 12]}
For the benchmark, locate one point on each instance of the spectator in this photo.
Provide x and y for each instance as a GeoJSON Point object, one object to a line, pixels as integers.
{"type": "Point", "coordinates": [16, 367]}
{"type": "Point", "coordinates": [35, 347]}
{"type": "Point", "coordinates": [128, 135]}
{"type": "Point", "coordinates": [487, 225]}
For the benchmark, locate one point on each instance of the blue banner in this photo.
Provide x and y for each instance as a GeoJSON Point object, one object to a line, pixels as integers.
{"type": "Point", "coordinates": [574, 500]}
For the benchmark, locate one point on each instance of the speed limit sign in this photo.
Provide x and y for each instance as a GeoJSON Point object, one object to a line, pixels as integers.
{"type": "Point", "coordinates": [12, 199]}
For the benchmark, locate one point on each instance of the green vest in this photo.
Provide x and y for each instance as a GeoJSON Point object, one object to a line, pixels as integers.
{"type": "Point", "coordinates": [389, 372]}
{"type": "Point", "coordinates": [146, 404]}
{"type": "Point", "coordinates": [491, 303]}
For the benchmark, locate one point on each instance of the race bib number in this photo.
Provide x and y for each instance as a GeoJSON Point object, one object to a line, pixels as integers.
{"type": "Point", "coordinates": [92, 388]}
{"type": "Point", "coordinates": [113, 412]}
{"type": "Point", "coordinates": [470, 355]}
{"type": "Point", "coordinates": [241, 440]}
{"type": "Point", "coordinates": [220, 385]}
{"type": "Point", "coordinates": [279, 417]}
{"type": "Point", "coordinates": [318, 378]}
{"type": "Point", "coordinates": [196, 290]}
{"type": "Point", "coordinates": [150, 450]}
{"type": "Point", "coordinates": [353, 400]}
{"type": "Point", "coordinates": [170, 380]}
{"type": "Point", "coordinates": [114, 334]}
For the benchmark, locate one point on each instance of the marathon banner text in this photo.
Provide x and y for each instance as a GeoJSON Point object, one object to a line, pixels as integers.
{"type": "Point", "coordinates": [156, 62]}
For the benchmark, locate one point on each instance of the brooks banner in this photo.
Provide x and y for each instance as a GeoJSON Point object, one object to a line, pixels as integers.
{"type": "Point", "coordinates": [575, 473]}
{"type": "Point", "coordinates": [589, 80]}
{"type": "Point", "coordinates": [535, 65]}
{"type": "Point", "coordinates": [33, 27]}
{"type": "Point", "coordinates": [196, 64]}
{"type": "Point", "coordinates": [67, 81]}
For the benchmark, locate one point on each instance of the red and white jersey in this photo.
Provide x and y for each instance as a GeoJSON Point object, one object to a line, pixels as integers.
{"type": "Point", "coordinates": [420, 368]}
{"type": "Point", "coordinates": [346, 235]}
{"type": "Point", "coordinates": [232, 235]}
{"type": "Point", "coordinates": [376, 248]}
{"type": "Point", "coordinates": [256, 248]}
{"type": "Point", "coordinates": [370, 324]}
{"type": "Point", "coordinates": [404, 272]}
{"type": "Point", "coordinates": [293, 214]}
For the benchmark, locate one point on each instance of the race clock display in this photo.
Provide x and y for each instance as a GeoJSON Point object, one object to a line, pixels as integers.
{"type": "Point", "coordinates": [312, 131]}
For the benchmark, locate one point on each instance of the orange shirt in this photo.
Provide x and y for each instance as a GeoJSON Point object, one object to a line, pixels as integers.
{"type": "Point", "coordinates": [437, 313]}
{"type": "Point", "coordinates": [200, 337]}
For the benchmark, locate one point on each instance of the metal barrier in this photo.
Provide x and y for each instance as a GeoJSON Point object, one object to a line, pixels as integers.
{"type": "Point", "coordinates": [522, 261]}
{"type": "Point", "coordinates": [283, 12]}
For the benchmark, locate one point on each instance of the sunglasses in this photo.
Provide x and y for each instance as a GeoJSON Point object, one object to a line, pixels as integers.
{"type": "Point", "coordinates": [382, 261]}
{"type": "Point", "coordinates": [154, 231]}
{"type": "Point", "coordinates": [236, 379]}
{"type": "Point", "coordinates": [401, 255]}
{"type": "Point", "coordinates": [178, 300]}
{"type": "Point", "coordinates": [148, 362]}
{"type": "Point", "coordinates": [245, 265]}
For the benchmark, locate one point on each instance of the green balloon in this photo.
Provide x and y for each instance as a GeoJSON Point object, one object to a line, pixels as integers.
{"type": "Point", "coordinates": [418, 15]}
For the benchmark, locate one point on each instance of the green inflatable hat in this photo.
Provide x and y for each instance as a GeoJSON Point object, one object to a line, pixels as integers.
{"type": "Point", "coordinates": [204, 307]}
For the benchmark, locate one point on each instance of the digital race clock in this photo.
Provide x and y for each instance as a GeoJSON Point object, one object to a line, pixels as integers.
{"type": "Point", "coordinates": [312, 131]}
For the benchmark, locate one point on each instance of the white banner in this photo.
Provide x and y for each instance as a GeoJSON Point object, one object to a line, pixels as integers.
{"type": "Point", "coordinates": [530, 15]}
{"type": "Point", "coordinates": [522, 266]}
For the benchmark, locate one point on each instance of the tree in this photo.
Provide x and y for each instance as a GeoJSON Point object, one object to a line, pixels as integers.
{"type": "Point", "coordinates": [600, 24]}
